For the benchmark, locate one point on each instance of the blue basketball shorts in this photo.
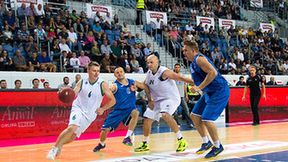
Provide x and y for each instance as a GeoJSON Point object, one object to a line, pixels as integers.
{"type": "Point", "coordinates": [116, 116]}
{"type": "Point", "coordinates": [210, 106]}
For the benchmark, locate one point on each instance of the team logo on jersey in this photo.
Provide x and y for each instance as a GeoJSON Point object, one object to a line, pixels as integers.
{"type": "Point", "coordinates": [74, 117]}
{"type": "Point", "coordinates": [151, 82]}
{"type": "Point", "coordinates": [89, 94]}
{"type": "Point", "coordinates": [128, 90]}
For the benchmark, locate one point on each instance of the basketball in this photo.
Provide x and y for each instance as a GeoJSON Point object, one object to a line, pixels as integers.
{"type": "Point", "coordinates": [67, 95]}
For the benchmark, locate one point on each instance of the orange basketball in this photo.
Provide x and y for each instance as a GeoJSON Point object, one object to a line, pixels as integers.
{"type": "Point", "coordinates": [67, 95]}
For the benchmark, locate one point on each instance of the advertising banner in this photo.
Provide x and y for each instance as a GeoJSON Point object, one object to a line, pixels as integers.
{"type": "Point", "coordinates": [226, 23]}
{"type": "Point", "coordinates": [274, 107]}
{"type": "Point", "coordinates": [256, 3]}
{"type": "Point", "coordinates": [93, 9]}
{"type": "Point", "coordinates": [205, 20]}
{"type": "Point", "coordinates": [37, 113]}
{"type": "Point", "coordinates": [151, 17]}
{"type": "Point", "coordinates": [265, 27]}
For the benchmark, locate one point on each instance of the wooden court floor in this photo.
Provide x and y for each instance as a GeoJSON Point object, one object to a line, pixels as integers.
{"type": "Point", "coordinates": [238, 141]}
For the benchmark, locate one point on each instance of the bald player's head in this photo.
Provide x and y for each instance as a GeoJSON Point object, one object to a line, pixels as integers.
{"type": "Point", "coordinates": [152, 62]}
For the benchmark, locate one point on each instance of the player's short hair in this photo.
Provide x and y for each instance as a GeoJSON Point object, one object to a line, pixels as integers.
{"type": "Point", "coordinates": [177, 64]}
{"type": "Point", "coordinates": [93, 63]}
{"type": "Point", "coordinates": [17, 80]}
{"type": "Point", "coordinates": [192, 45]}
{"type": "Point", "coordinates": [35, 80]}
{"type": "Point", "coordinates": [252, 66]}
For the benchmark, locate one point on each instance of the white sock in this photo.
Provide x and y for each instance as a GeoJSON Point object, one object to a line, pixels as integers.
{"type": "Point", "coordinates": [102, 143]}
{"type": "Point", "coordinates": [179, 135]}
{"type": "Point", "coordinates": [146, 139]}
{"type": "Point", "coordinates": [129, 133]}
{"type": "Point", "coordinates": [217, 143]}
{"type": "Point", "coordinates": [205, 139]}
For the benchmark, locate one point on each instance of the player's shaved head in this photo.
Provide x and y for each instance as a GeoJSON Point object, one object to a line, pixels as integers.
{"type": "Point", "coordinates": [153, 63]}
{"type": "Point", "coordinates": [153, 58]}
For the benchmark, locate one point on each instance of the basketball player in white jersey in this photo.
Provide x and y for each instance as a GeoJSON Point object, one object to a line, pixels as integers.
{"type": "Point", "coordinates": [166, 98]}
{"type": "Point", "coordinates": [85, 107]}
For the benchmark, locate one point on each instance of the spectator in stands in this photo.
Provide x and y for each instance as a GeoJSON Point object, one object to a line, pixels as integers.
{"type": "Point", "coordinates": [138, 40]}
{"type": "Point", "coordinates": [89, 41]}
{"type": "Point", "coordinates": [21, 12]}
{"type": "Point", "coordinates": [40, 34]}
{"type": "Point", "coordinates": [20, 62]}
{"type": "Point", "coordinates": [63, 46]}
{"type": "Point", "coordinates": [75, 63]}
{"type": "Point", "coordinates": [23, 34]}
{"type": "Point", "coordinates": [46, 85]}
{"type": "Point", "coordinates": [7, 34]}
{"type": "Point", "coordinates": [272, 81]}
{"type": "Point", "coordinates": [105, 48]}
{"type": "Point", "coordinates": [141, 100]}
{"type": "Point", "coordinates": [241, 81]}
{"type": "Point", "coordinates": [136, 68]}
{"type": "Point", "coordinates": [77, 78]}
{"type": "Point", "coordinates": [65, 83]}
{"type": "Point", "coordinates": [17, 84]}
{"type": "Point", "coordinates": [3, 84]}
{"type": "Point", "coordinates": [6, 63]}
{"type": "Point", "coordinates": [39, 12]}
{"type": "Point", "coordinates": [107, 65]}
{"type": "Point", "coordinates": [84, 60]}
{"type": "Point", "coordinates": [9, 19]}
{"type": "Point", "coordinates": [33, 62]}
{"type": "Point", "coordinates": [78, 27]}
{"type": "Point", "coordinates": [147, 50]}
{"type": "Point", "coordinates": [46, 63]}
{"type": "Point", "coordinates": [72, 39]}
{"type": "Point", "coordinates": [31, 46]}
{"type": "Point", "coordinates": [35, 83]}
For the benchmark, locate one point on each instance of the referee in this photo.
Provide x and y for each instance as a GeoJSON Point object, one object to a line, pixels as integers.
{"type": "Point", "coordinates": [253, 82]}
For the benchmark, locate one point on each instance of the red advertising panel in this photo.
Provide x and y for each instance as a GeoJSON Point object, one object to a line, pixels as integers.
{"type": "Point", "coordinates": [274, 107]}
{"type": "Point", "coordinates": [36, 113]}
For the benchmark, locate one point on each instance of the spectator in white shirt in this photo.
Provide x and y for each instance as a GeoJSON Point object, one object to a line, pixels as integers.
{"type": "Point", "coordinates": [72, 38]}
{"type": "Point", "coordinates": [75, 63]}
{"type": "Point", "coordinates": [63, 46]}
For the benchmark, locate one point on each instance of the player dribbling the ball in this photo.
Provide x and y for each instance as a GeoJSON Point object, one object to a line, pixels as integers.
{"type": "Point", "coordinates": [85, 107]}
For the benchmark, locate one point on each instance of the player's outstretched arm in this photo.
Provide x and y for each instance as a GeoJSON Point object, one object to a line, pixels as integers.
{"type": "Point", "coordinates": [110, 99]}
{"type": "Point", "coordinates": [208, 68]}
{"type": "Point", "coordinates": [172, 75]}
{"type": "Point", "coordinates": [143, 86]}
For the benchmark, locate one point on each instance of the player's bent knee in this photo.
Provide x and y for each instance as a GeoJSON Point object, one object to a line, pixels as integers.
{"type": "Point", "coordinates": [134, 114]}
{"type": "Point", "coordinates": [165, 115]}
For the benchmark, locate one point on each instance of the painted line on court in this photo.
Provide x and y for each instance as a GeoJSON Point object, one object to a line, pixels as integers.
{"type": "Point", "coordinates": [190, 154]}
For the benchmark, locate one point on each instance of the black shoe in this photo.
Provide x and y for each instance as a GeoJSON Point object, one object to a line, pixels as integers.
{"type": "Point", "coordinates": [98, 147]}
{"type": "Point", "coordinates": [255, 124]}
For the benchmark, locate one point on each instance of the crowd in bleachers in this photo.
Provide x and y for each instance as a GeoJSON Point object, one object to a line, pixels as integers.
{"type": "Point", "coordinates": [232, 49]}
{"type": "Point", "coordinates": [67, 41]}
{"type": "Point", "coordinates": [191, 9]}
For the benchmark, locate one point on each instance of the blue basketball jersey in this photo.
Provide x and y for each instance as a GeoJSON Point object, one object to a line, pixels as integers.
{"type": "Point", "coordinates": [199, 75]}
{"type": "Point", "coordinates": [125, 98]}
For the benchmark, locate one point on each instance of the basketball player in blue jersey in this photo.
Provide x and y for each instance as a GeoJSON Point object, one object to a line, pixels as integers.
{"type": "Point", "coordinates": [212, 103]}
{"type": "Point", "coordinates": [124, 110]}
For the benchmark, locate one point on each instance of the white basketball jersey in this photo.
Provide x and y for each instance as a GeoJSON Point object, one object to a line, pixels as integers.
{"type": "Point", "coordinates": [161, 89]}
{"type": "Point", "coordinates": [89, 98]}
